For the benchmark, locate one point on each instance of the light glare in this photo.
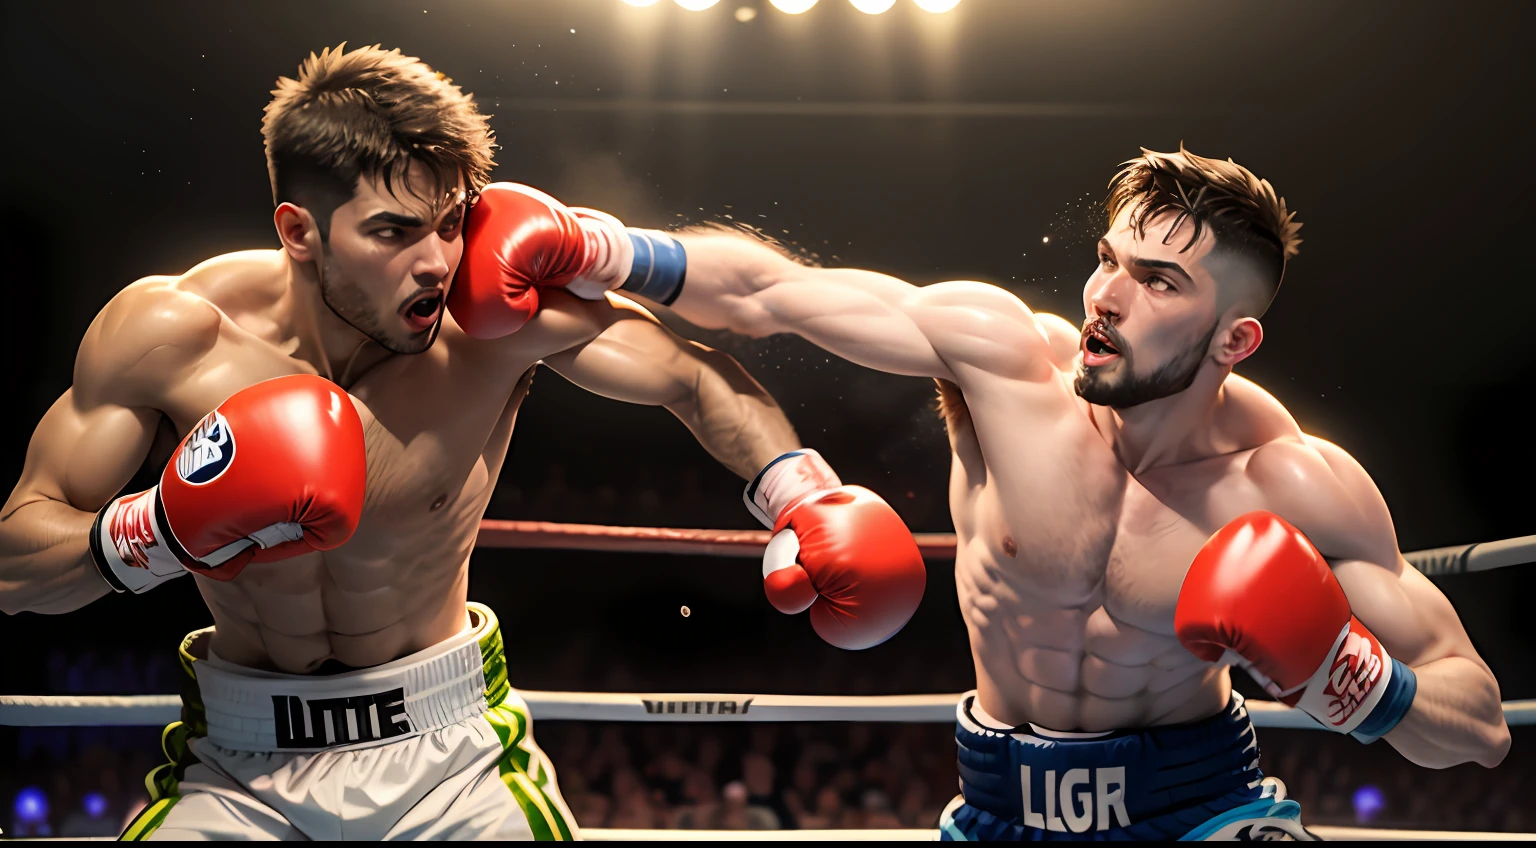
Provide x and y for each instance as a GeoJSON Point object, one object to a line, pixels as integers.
{"type": "Point", "coordinates": [696, 5]}
{"type": "Point", "coordinates": [745, 13]}
{"type": "Point", "coordinates": [641, 2]}
{"type": "Point", "coordinates": [872, 7]}
{"type": "Point", "coordinates": [936, 5]}
{"type": "Point", "coordinates": [792, 7]}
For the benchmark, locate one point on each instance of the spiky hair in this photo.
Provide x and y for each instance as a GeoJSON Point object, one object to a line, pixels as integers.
{"type": "Point", "coordinates": [371, 112]}
{"type": "Point", "coordinates": [1242, 210]}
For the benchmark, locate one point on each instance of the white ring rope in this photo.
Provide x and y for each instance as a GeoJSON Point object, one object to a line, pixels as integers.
{"type": "Point", "coordinates": [913, 834]}
{"type": "Point", "coordinates": [145, 710]}
{"type": "Point", "coordinates": [1363, 834]}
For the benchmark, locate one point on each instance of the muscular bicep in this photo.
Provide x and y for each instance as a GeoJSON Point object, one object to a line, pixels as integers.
{"type": "Point", "coordinates": [868, 318]}
{"type": "Point", "coordinates": [82, 455]}
{"type": "Point", "coordinates": [97, 434]}
{"type": "Point", "coordinates": [1409, 614]}
{"type": "Point", "coordinates": [1335, 502]}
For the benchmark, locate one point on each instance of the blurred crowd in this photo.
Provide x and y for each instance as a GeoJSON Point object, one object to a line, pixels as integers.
{"type": "Point", "coordinates": [76, 782]}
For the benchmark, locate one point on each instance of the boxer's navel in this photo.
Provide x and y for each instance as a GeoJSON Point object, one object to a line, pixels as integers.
{"type": "Point", "coordinates": [1010, 547]}
{"type": "Point", "coordinates": [438, 504]}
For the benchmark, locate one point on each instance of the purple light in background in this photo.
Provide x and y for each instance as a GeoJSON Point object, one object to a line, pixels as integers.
{"type": "Point", "coordinates": [1368, 802]}
{"type": "Point", "coordinates": [31, 805]}
{"type": "Point", "coordinates": [95, 805]}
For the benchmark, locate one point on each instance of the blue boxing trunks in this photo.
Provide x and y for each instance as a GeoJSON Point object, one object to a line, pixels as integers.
{"type": "Point", "coordinates": [1196, 781]}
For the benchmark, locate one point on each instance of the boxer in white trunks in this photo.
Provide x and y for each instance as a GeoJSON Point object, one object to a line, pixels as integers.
{"type": "Point", "coordinates": [344, 435]}
{"type": "Point", "coordinates": [1134, 519]}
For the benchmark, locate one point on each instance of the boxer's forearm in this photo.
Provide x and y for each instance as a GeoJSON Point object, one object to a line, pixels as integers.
{"type": "Point", "coordinates": [636, 360]}
{"type": "Point", "coordinates": [45, 559]}
{"type": "Point", "coordinates": [1456, 717]}
{"type": "Point", "coordinates": [734, 418]}
{"type": "Point", "coordinates": [727, 274]}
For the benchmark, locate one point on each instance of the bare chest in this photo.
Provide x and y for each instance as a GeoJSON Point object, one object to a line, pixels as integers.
{"type": "Point", "coordinates": [1068, 528]}
{"type": "Point", "coordinates": [435, 435]}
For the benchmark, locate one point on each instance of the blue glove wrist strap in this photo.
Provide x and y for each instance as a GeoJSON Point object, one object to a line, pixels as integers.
{"type": "Point", "coordinates": [660, 266]}
{"type": "Point", "coordinates": [1393, 705]}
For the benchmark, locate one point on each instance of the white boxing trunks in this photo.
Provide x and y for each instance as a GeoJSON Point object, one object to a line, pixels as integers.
{"type": "Point", "coordinates": [436, 745]}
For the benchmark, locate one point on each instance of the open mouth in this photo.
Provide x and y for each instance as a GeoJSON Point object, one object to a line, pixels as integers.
{"type": "Point", "coordinates": [422, 310]}
{"type": "Point", "coordinates": [1097, 348]}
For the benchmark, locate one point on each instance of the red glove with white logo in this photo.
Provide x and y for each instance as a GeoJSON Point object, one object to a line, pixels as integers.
{"type": "Point", "coordinates": [518, 240]}
{"type": "Point", "coordinates": [276, 471]}
{"type": "Point", "coordinates": [838, 550]}
{"type": "Point", "coordinates": [1260, 595]}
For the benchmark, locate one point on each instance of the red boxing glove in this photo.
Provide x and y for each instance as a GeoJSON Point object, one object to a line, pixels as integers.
{"type": "Point", "coordinates": [838, 550]}
{"type": "Point", "coordinates": [517, 240]}
{"type": "Point", "coordinates": [276, 471]}
{"type": "Point", "coordinates": [1260, 590]}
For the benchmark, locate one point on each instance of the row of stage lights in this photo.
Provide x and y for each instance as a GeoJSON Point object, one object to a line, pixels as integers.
{"type": "Point", "coordinates": [795, 7]}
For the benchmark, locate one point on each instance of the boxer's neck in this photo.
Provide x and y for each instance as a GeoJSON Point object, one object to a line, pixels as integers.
{"type": "Point", "coordinates": [1171, 430]}
{"type": "Point", "coordinates": [336, 349]}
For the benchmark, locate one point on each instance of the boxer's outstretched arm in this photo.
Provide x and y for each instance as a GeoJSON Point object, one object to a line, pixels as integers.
{"type": "Point", "coordinates": [634, 358]}
{"type": "Point", "coordinates": [89, 444]}
{"type": "Point", "coordinates": [1456, 716]}
{"type": "Point", "coordinates": [942, 330]}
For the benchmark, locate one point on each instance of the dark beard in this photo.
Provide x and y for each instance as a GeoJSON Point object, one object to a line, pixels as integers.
{"type": "Point", "coordinates": [347, 301]}
{"type": "Point", "coordinates": [1175, 376]}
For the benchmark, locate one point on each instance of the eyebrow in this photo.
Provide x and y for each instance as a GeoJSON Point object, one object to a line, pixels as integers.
{"type": "Point", "coordinates": [410, 220]}
{"type": "Point", "coordinates": [1105, 246]}
{"type": "Point", "coordinates": [396, 219]}
{"type": "Point", "coordinates": [1164, 264]}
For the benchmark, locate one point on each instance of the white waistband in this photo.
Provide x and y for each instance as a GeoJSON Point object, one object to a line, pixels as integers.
{"type": "Point", "coordinates": [978, 721]}
{"type": "Point", "coordinates": [254, 710]}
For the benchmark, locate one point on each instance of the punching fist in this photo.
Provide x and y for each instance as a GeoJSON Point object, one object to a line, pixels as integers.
{"type": "Point", "coordinates": [277, 470]}
{"type": "Point", "coordinates": [518, 240]}
{"type": "Point", "coordinates": [1260, 592]}
{"type": "Point", "coordinates": [839, 551]}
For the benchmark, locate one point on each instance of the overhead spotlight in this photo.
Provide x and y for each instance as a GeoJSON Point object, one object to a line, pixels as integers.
{"type": "Point", "coordinates": [793, 7]}
{"type": "Point", "coordinates": [872, 7]}
{"type": "Point", "coordinates": [745, 13]}
{"type": "Point", "coordinates": [695, 5]}
{"type": "Point", "coordinates": [641, 2]}
{"type": "Point", "coordinates": [936, 5]}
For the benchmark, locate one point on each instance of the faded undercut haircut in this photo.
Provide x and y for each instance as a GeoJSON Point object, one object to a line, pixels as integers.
{"type": "Point", "coordinates": [370, 113]}
{"type": "Point", "coordinates": [1244, 213]}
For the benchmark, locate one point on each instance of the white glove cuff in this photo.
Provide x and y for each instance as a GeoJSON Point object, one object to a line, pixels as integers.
{"type": "Point", "coordinates": [127, 548]}
{"type": "Point", "coordinates": [611, 254]}
{"type": "Point", "coordinates": [785, 479]}
{"type": "Point", "coordinates": [1345, 689]}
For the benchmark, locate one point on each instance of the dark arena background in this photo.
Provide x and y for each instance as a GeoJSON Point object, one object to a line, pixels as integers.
{"type": "Point", "coordinates": [973, 143]}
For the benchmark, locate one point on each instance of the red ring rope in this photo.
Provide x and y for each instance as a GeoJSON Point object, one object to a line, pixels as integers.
{"type": "Point", "coordinates": [659, 540]}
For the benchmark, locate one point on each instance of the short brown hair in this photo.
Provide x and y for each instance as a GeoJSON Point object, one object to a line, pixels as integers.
{"type": "Point", "coordinates": [1244, 213]}
{"type": "Point", "coordinates": [370, 112]}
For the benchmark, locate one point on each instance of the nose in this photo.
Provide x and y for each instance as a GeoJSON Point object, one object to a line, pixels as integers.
{"type": "Point", "coordinates": [432, 264]}
{"type": "Point", "coordinates": [1104, 296]}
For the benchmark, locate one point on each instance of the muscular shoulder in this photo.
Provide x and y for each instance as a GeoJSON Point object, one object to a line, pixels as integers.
{"type": "Point", "coordinates": [1063, 338]}
{"type": "Point", "coordinates": [988, 327]}
{"type": "Point", "coordinates": [144, 336]}
{"type": "Point", "coordinates": [1325, 493]}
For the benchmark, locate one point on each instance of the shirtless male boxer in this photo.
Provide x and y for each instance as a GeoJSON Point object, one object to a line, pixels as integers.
{"type": "Point", "coordinates": [345, 437]}
{"type": "Point", "coordinates": [1133, 519]}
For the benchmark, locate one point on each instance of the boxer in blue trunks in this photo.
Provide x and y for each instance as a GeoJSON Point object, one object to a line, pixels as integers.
{"type": "Point", "coordinates": [1134, 519]}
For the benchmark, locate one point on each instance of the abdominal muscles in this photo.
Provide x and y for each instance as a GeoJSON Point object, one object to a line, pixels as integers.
{"type": "Point", "coordinates": [1061, 660]}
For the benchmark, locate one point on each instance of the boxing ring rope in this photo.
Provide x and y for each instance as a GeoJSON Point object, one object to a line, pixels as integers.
{"type": "Point", "coordinates": [912, 834]}
{"type": "Point", "coordinates": [1455, 559]}
{"type": "Point", "coordinates": [1364, 834]}
{"type": "Point", "coordinates": [145, 710]}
